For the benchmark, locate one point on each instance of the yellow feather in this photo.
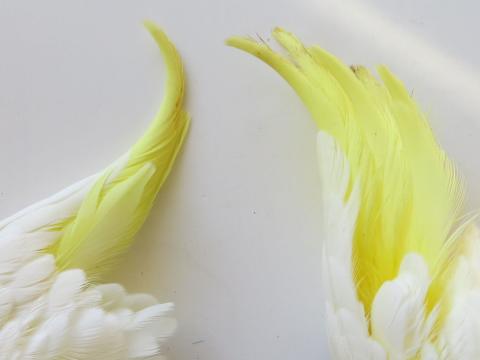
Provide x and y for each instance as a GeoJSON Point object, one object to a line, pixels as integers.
{"type": "Point", "coordinates": [410, 191]}
{"type": "Point", "coordinates": [117, 204]}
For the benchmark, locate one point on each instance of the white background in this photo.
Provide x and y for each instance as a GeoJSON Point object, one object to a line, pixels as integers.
{"type": "Point", "coordinates": [234, 237]}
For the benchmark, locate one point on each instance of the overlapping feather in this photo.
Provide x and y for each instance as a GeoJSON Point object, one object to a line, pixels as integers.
{"type": "Point", "coordinates": [53, 253]}
{"type": "Point", "coordinates": [392, 200]}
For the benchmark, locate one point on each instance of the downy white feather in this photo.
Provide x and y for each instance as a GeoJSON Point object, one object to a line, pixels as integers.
{"type": "Point", "coordinates": [398, 318]}
{"type": "Point", "coordinates": [46, 314]}
{"type": "Point", "coordinates": [347, 326]}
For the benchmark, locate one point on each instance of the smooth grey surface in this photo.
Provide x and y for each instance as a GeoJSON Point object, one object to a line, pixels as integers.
{"type": "Point", "coordinates": [234, 237]}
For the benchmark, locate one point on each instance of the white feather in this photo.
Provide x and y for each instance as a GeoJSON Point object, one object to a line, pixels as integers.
{"type": "Point", "coordinates": [46, 314]}
{"type": "Point", "coordinates": [399, 327]}
{"type": "Point", "coordinates": [398, 310]}
{"type": "Point", "coordinates": [346, 323]}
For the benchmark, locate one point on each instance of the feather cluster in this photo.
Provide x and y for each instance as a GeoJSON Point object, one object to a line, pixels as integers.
{"type": "Point", "coordinates": [400, 270]}
{"type": "Point", "coordinates": [53, 253]}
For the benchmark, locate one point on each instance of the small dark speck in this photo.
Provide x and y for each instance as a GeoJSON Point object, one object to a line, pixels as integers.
{"type": "Point", "coordinates": [141, 273]}
{"type": "Point", "coordinates": [254, 212]}
{"type": "Point", "coordinates": [278, 337]}
{"type": "Point", "coordinates": [198, 342]}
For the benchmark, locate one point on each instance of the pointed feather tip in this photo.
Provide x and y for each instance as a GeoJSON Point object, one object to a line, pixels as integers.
{"type": "Point", "coordinates": [258, 48]}
{"type": "Point", "coordinates": [278, 29]}
{"type": "Point", "coordinates": [152, 27]}
{"type": "Point", "coordinates": [159, 36]}
{"type": "Point", "coordinates": [239, 42]}
{"type": "Point", "coordinates": [283, 36]}
{"type": "Point", "coordinates": [394, 85]}
{"type": "Point", "coordinates": [249, 45]}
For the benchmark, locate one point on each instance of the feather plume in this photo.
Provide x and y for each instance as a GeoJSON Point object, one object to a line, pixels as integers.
{"type": "Point", "coordinates": [53, 252]}
{"type": "Point", "coordinates": [392, 199]}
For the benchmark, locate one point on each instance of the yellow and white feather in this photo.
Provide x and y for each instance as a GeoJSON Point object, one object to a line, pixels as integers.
{"type": "Point", "coordinates": [400, 271]}
{"type": "Point", "coordinates": [54, 253]}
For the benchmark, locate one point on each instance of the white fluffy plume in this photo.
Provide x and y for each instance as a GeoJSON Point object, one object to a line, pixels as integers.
{"type": "Point", "coordinates": [50, 314]}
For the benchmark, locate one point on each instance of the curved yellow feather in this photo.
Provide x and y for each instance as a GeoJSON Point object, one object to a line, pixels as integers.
{"type": "Point", "coordinates": [410, 191]}
{"type": "Point", "coordinates": [120, 200]}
